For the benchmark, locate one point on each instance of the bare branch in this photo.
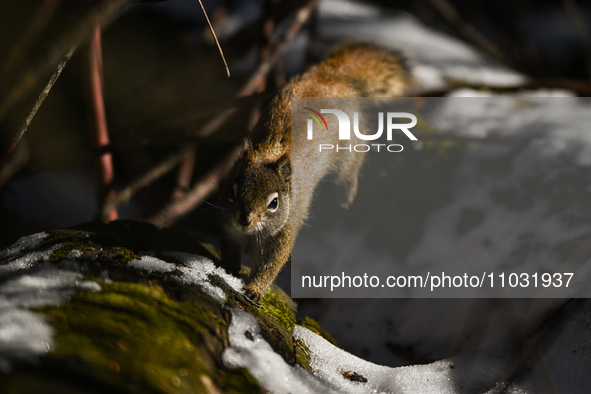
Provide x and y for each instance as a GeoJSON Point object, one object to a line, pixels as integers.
{"type": "Point", "coordinates": [37, 24]}
{"type": "Point", "coordinates": [40, 99]}
{"type": "Point", "coordinates": [202, 189]}
{"type": "Point", "coordinates": [178, 208]}
{"type": "Point", "coordinates": [259, 76]}
{"type": "Point", "coordinates": [184, 175]}
{"type": "Point", "coordinates": [451, 14]}
{"type": "Point", "coordinates": [27, 80]}
{"type": "Point", "coordinates": [146, 179]}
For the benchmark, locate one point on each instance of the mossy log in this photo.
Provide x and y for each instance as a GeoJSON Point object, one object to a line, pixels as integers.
{"type": "Point", "coordinates": [137, 331]}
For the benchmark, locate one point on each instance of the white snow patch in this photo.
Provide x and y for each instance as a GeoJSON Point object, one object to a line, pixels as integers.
{"type": "Point", "coordinates": [435, 57]}
{"type": "Point", "coordinates": [469, 373]}
{"type": "Point", "coordinates": [248, 349]}
{"type": "Point", "coordinates": [198, 267]}
{"type": "Point", "coordinates": [24, 334]}
{"type": "Point", "coordinates": [152, 264]}
{"type": "Point", "coordinates": [24, 284]}
{"type": "Point", "coordinates": [329, 363]}
{"type": "Point", "coordinates": [74, 254]}
{"type": "Point", "coordinates": [195, 271]}
{"type": "Point", "coordinates": [27, 260]}
{"type": "Point", "coordinates": [29, 242]}
{"type": "Point", "coordinates": [349, 9]}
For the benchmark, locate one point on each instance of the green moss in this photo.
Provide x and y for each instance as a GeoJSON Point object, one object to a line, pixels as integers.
{"type": "Point", "coordinates": [314, 326]}
{"type": "Point", "coordinates": [91, 250]}
{"type": "Point", "coordinates": [68, 247]}
{"type": "Point", "coordinates": [273, 307]}
{"type": "Point", "coordinates": [134, 335]}
{"type": "Point", "coordinates": [276, 320]}
{"type": "Point", "coordinates": [57, 236]}
{"type": "Point", "coordinates": [146, 332]}
{"type": "Point", "coordinates": [209, 247]}
{"type": "Point", "coordinates": [302, 354]}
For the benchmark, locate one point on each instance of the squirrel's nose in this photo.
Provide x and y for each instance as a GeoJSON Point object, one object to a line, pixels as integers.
{"type": "Point", "coordinates": [245, 218]}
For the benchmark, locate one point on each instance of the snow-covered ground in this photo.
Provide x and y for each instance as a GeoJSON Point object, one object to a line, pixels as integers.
{"type": "Point", "coordinates": [552, 356]}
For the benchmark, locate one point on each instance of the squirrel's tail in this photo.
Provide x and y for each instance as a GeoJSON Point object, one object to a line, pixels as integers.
{"type": "Point", "coordinates": [352, 70]}
{"type": "Point", "coordinates": [370, 71]}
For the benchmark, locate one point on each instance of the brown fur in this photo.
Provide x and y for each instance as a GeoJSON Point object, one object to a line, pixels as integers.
{"type": "Point", "coordinates": [353, 70]}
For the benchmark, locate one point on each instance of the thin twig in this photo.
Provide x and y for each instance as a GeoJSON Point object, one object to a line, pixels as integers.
{"type": "Point", "coordinates": [252, 85]}
{"type": "Point", "coordinates": [176, 209]}
{"type": "Point", "coordinates": [27, 80]}
{"type": "Point", "coordinates": [312, 54]}
{"type": "Point", "coordinates": [265, 42]}
{"type": "Point", "coordinates": [215, 37]}
{"type": "Point", "coordinates": [146, 179]}
{"type": "Point", "coordinates": [167, 165]}
{"type": "Point", "coordinates": [202, 189]}
{"type": "Point", "coordinates": [21, 132]}
{"type": "Point", "coordinates": [254, 31]}
{"type": "Point", "coordinates": [451, 14]}
{"type": "Point", "coordinates": [185, 174]}
{"type": "Point", "coordinates": [36, 25]}
{"type": "Point", "coordinates": [576, 17]}
{"type": "Point", "coordinates": [580, 87]}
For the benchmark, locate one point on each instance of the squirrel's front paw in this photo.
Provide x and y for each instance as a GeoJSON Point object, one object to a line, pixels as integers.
{"type": "Point", "coordinates": [253, 294]}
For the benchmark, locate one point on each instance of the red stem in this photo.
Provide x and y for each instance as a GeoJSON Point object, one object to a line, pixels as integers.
{"type": "Point", "coordinates": [105, 171]}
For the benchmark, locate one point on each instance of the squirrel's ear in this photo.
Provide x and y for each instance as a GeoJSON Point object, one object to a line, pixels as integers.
{"type": "Point", "coordinates": [248, 150]}
{"type": "Point", "coordinates": [283, 167]}
{"type": "Point", "coordinates": [247, 143]}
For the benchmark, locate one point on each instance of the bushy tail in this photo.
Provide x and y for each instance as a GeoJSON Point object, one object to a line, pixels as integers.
{"type": "Point", "coordinates": [368, 71]}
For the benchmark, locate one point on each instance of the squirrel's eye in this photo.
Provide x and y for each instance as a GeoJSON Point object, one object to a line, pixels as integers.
{"type": "Point", "coordinates": [233, 193]}
{"type": "Point", "coordinates": [273, 202]}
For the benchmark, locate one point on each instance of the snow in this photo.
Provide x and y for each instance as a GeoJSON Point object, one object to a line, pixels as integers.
{"type": "Point", "coordinates": [152, 264]}
{"type": "Point", "coordinates": [24, 335]}
{"type": "Point", "coordinates": [25, 243]}
{"type": "Point", "coordinates": [435, 58]}
{"type": "Point", "coordinates": [554, 141]}
{"type": "Point", "coordinates": [329, 363]}
{"type": "Point", "coordinates": [540, 135]}
{"type": "Point", "coordinates": [476, 226]}
{"type": "Point", "coordinates": [22, 245]}
{"type": "Point", "coordinates": [482, 372]}
{"type": "Point", "coordinates": [248, 349]}
{"type": "Point", "coordinates": [490, 370]}
{"type": "Point", "coordinates": [475, 372]}
{"type": "Point", "coordinates": [27, 282]}
{"type": "Point", "coordinates": [197, 269]}
{"type": "Point", "coordinates": [194, 269]}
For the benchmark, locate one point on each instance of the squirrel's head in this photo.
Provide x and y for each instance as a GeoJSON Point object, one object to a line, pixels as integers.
{"type": "Point", "coordinates": [257, 195]}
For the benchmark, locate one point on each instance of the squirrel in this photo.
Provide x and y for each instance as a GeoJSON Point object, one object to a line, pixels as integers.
{"type": "Point", "coordinates": [261, 203]}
